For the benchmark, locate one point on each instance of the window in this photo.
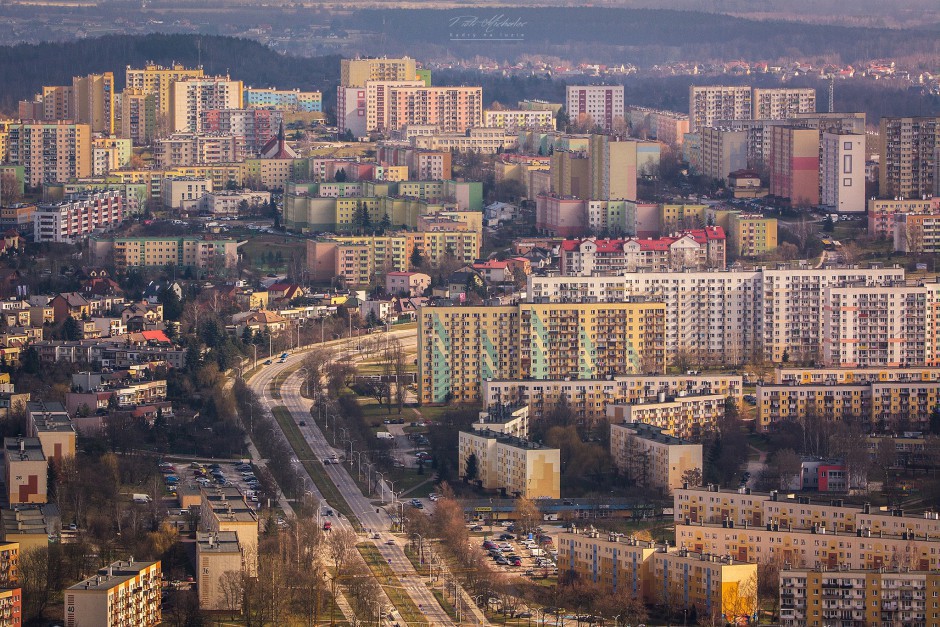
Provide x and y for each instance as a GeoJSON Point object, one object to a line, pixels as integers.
{"type": "Point", "coordinates": [846, 164]}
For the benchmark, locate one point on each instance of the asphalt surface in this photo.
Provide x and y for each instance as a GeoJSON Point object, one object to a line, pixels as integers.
{"type": "Point", "coordinates": [369, 518]}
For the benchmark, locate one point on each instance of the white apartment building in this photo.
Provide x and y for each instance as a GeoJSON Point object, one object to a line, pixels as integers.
{"type": "Point", "coordinates": [724, 151]}
{"type": "Point", "coordinates": [515, 119]}
{"type": "Point", "coordinates": [780, 103]}
{"type": "Point", "coordinates": [228, 203]}
{"type": "Point", "coordinates": [842, 172]}
{"type": "Point", "coordinates": [190, 97]}
{"type": "Point", "coordinates": [78, 216]}
{"type": "Point", "coordinates": [709, 103]}
{"type": "Point", "coordinates": [880, 326]}
{"type": "Point", "coordinates": [481, 140]}
{"type": "Point", "coordinates": [794, 301]}
{"type": "Point", "coordinates": [603, 103]}
{"type": "Point", "coordinates": [186, 149]}
{"type": "Point", "coordinates": [177, 191]}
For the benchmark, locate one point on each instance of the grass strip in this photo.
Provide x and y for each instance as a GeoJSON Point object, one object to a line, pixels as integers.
{"type": "Point", "coordinates": [446, 604]}
{"type": "Point", "coordinates": [389, 581]}
{"type": "Point", "coordinates": [280, 378]}
{"type": "Point", "coordinates": [312, 465]}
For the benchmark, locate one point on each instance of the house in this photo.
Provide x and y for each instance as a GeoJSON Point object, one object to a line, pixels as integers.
{"type": "Point", "coordinates": [284, 292]}
{"type": "Point", "coordinates": [519, 266]}
{"type": "Point", "coordinates": [382, 309]}
{"type": "Point", "coordinates": [142, 316]}
{"type": "Point", "coordinates": [494, 271]}
{"type": "Point", "coordinates": [11, 283]}
{"type": "Point", "coordinates": [154, 289]}
{"type": "Point", "coordinates": [70, 304]}
{"type": "Point", "coordinates": [259, 321]}
{"type": "Point", "coordinates": [406, 283]}
{"type": "Point", "coordinates": [101, 286]}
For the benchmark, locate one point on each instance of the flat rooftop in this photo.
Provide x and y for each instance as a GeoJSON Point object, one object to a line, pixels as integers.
{"type": "Point", "coordinates": [115, 574]}
{"type": "Point", "coordinates": [221, 542]}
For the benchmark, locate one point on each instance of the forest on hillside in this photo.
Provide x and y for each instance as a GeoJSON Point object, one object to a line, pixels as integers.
{"type": "Point", "coordinates": [25, 68]}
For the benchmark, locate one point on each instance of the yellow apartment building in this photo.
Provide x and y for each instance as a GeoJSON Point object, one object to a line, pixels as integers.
{"type": "Point", "coordinates": [26, 471]}
{"type": "Point", "coordinates": [125, 594]}
{"type": "Point", "coordinates": [751, 235]}
{"type": "Point", "coordinates": [356, 72]}
{"type": "Point", "coordinates": [225, 509]}
{"type": "Point", "coordinates": [461, 347]}
{"type": "Point", "coordinates": [9, 562]}
{"type": "Point", "coordinates": [717, 586]}
{"type": "Point", "coordinates": [680, 416]}
{"type": "Point", "coordinates": [216, 555]}
{"type": "Point", "coordinates": [158, 80]}
{"type": "Point", "coordinates": [514, 466]}
{"type": "Point", "coordinates": [818, 597]}
{"type": "Point", "coordinates": [51, 424]}
{"type": "Point", "coordinates": [652, 458]}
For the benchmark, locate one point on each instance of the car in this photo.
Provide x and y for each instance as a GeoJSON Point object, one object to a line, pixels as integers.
{"type": "Point", "coordinates": [284, 355]}
{"type": "Point", "coordinates": [502, 561]}
{"type": "Point", "coordinates": [489, 544]}
{"type": "Point", "coordinates": [302, 423]}
{"type": "Point", "coordinates": [524, 615]}
{"type": "Point", "coordinates": [390, 542]}
{"type": "Point", "coordinates": [417, 505]}
{"type": "Point", "coordinates": [327, 512]}
{"type": "Point", "coordinates": [327, 461]}
{"type": "Point", "coordinates": [506, 536]}
{"type": "Point", "coordinates": [376, 536]}
{"type": "Point", "coordinates": [327, 526]}
{"type": "Point", "coordinates": [432, 497]}
{"type": "Point", "coordinates": [476, 528]}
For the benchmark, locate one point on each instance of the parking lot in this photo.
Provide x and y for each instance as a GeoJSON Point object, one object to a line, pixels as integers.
{"type": "Point", "coordinates": [200, 474]}
{"type": "Point", "coordinates": [533, 555]}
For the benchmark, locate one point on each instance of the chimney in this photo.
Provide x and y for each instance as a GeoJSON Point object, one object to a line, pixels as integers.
{"type": "Point", "coordinates": [22, 445]}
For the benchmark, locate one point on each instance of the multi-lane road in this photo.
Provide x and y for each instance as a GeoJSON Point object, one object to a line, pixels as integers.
{"type": "Point", "coordinates": [372, 519]}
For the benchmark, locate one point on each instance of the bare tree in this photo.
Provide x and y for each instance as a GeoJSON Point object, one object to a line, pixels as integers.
{"type": "Point", "coordinates": [232, 586]}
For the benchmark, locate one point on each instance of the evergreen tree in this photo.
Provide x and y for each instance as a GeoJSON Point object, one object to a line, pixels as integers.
{"type": "Point", "coordinates": [172, 305]}
{"type": "Point", "coordinates": [71, 330]}
{"type": "Point", "coordinates": [417, 259]}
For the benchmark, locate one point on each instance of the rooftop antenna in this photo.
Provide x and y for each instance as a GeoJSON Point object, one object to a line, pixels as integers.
{"type": "Point", "coordinates": [199, 52]}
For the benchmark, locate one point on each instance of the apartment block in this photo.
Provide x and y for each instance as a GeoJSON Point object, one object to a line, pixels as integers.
{"type": "Point", "coordinates": [78, 216]}
{"type": "Point", "coordinates": [724, 151]}
{"type": "Point", "coordinates": [697, 306]}
{"type": "Point", "coordinates": [668, 127]}
{"type": "Point", "coordinates": [195, 251]}
{"type": "Point", "coordinates": [94, 101]}
{"type": "Point", "coordinates": [158, 81]}
{"type": "Point", "coordinates": [709, 103]}
{"type": "Point", "coordinates": [451, 109]}
{"type": "Point", "coordinates": [588, 398]}
{"type": "Point", "coordinates": [480, 140]}
{"type": "Point", "coordinates": [357, 72]}
{"type": "Point", "coordinates": [11, 607]}
{"type": "Point", "coordinates": [751, 235]}
{"type": "Point", "coordinates": [842, 172]}
{"type": "Point", "coordinates": [821, 596]}
{"type": "Point", "coordinates": [697, 249]}
{"type": "Point", "coordinates": [518, 118]}
{"type": "Point", "coordinates": [26, 471]}
{"type": "Point", "coordinates": [894, 405]}
{"type": "Point", "coordinates": [651, 457]}
{"type": "Point", "coordinates": [255, 126]}
{"type": "Point", "coordinates": [224, 509]}
{"type": "Point", "coordinates": [840, 376]}
{"type": "Point", "coordinates": [881, 213]}
{"type": "Point", "coordinates": [794, 165]}
{"type": "Point", "coordinates": [615, 165]}
{"type": "Point", "coordinates": [50, 153]}
{"type": "Point", "coordinates": [288, 100]}
{"type": "Point", "coordinates": [601, 104]}
{"type": "Point", "coordinates": [907, 160]}
{"type": "Point", "coordinates": [191, 97]}
{"type": "Point", "coordinates": [188, 149]}
{"type": "Point", "coordinates": [359, 259]}
{"type": "Point", "coordinates": [58, 103]}
{"type": "Point", "coordinates": [460, 347]}
{"type": "Point", "coordinates": [139, 116]}
{"type": "Point", "coordinates": [793, 306]}
{"type": "Point", "coordinates": [125, 594]}
{"type": "Point", "coordinates": [880, 326]}
{"type": "Point", "coordinates": [229, 203]}
{"type": "Point", "coordinates": [917, 233]}
{"type": "Point", "coordinates": [514, 466]}
{"type": "Point", "coordinates": [714, 585]}
{"type": "Point", "coordinates": [781, 103]}
{"type": "Point", "coordinates": [51, 424]}
{"type": "Point", "coordinates": [683, 416]}
{"type": "Point", "coordinates": [217, 555]}
{"type": "Point", "coordinates": [175, 191]}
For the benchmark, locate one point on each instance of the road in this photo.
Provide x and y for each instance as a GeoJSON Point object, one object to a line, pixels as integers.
{"type": "Point", "coordinates": [372, 518]}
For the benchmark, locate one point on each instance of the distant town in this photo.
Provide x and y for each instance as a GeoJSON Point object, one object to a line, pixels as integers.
{"type": "Point", "coordinates": [394, 352]}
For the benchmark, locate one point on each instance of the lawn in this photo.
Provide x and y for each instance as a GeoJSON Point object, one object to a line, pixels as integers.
{"type": "Point", "coordinates": [260, 249]}
{"type": "Point", "coordinates": [311, 464]}
{"type": "Point", "coordinates": [392, 586]}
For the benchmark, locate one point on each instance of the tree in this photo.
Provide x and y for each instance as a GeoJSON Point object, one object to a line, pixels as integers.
{"type": "Point", "coordinates": [340, 175]}
{"type": "Point", "coordinates": [71, 331]}
{"type": "Point", "coordinates": [172, 305]}
{"type": "Point", "coordinates": [471, 467]}
{"type": "Point", "coordinates": [828, 225]}
{"type": "Point", "coordinates": [417, 259]}
{"type": "Point", "coordinates": [528, 515]}
{"type": "Point", "coordinates": [692, 476]}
